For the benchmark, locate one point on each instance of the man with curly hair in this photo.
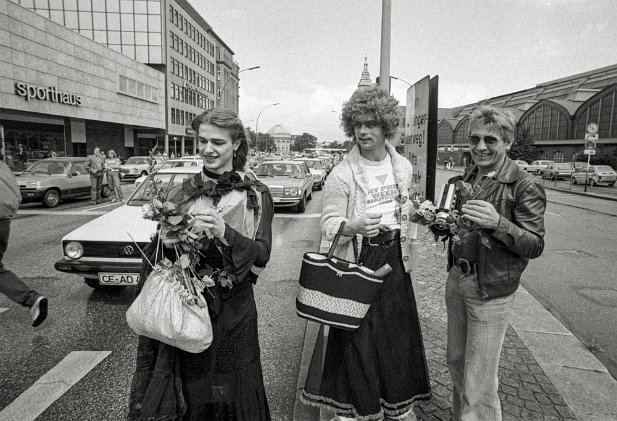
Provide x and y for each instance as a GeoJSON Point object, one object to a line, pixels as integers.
{"type": "Point", "coordinates": [378, 370]}
{"type": "Point", "coordinates": [506, 212]}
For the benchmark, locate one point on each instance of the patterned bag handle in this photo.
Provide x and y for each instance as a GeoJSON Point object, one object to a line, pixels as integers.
{"type": "Point", "coordinates": [354, 243]}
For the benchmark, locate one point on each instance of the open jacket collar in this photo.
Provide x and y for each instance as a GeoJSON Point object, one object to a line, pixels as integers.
{"type": "Point", "coordinates": [359, 169]}
{"type": "Point", "coordinates": [509, 173]}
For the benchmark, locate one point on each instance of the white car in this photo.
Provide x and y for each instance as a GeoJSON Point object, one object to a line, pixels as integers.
{"type": "Point", "coordinates": [318, 169]}
{"type": "Point", "coordinates": [537, 167]}
{"type": "Point", "coordinates": [523, 165]}
{"type": "Point", "coordinates": [174, 163]}
{"type": "Point", "coordinates": [105, 251]}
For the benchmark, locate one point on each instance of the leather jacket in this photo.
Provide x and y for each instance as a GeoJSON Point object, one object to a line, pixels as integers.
{"type": "Point", "coordinates": [521, 203]}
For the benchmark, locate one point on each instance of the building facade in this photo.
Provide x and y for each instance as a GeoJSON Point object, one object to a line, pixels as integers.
{"type": "Point", "coordinates": [167, 35]}
{"type": "Point", "coordinates": [553, 114]}
{"type": "Point", "coordinates": [282, 138]}
{"type": "Point", "coordinates": [63, 93]}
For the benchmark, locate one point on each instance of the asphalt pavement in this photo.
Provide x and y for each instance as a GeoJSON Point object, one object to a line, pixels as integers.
{"type": "Point", "coordinates": [545, 372]}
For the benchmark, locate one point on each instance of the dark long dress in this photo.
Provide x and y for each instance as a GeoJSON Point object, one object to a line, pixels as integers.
{"type": "Point", "coordinates": [225, 381]}
{"type": "Point", "coordinates": [380, 368]}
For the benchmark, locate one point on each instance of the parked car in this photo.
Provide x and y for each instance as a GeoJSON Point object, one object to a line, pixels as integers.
{"type": "Point", "coordinates": [558, 170]}
{"type": "Point", "coordinates": [290, 182]}
{"type": "Point", "coordinates": [102, 250]}
{"type": "Point", "coordinates": [136, 166]}
{"type": "Point", "coordinates": [536, 167]}
{"type": "Point", "coordinates": [317, 168]}
{"type": "Point", "coordinates": [597, 174]}
{"type": "Point", "coordinates": [522, 164]}
{"type": "Point", "coordinates": [173, 163]}
{"type": "Point", "coordinates": [578, 165]}
{"type": "Point", "coordinates": [52, 180]}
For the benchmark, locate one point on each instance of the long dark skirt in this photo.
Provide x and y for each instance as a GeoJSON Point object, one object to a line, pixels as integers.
{"type": "Point", "coordinates": [380, 368]}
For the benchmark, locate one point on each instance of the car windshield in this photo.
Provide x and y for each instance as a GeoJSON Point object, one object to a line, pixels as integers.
{"type": "Point", "coordinates": [49, 167]}
{"type": "Point", "coordinates": [604, 168]}
{"type": "Point", "coordinates": [313, 164]}
{"type": "Point", "coordinates": [144, 193]}
{"type": "Point", "coordinates": [563, 166]}
{"type": "Point", "coordinates": [137, 160]}
{"type": "Point", "coordinates": [273, 169]}
{"type": "Point", "coordinates": [175, 164]}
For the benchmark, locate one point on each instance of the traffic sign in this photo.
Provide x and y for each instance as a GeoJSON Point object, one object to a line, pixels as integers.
{"type": "Point", "coordinates": [590, 151]}
{"type": "Point", "coordinates": [592, 128]}
{"type": "Point", "coordinates": [590, 143]}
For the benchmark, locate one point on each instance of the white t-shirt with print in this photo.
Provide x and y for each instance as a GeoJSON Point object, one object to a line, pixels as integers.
{"type": "Point", "coordinates": [382, 190]}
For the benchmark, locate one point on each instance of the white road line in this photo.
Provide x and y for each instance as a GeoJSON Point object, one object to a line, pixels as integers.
{"type": "Point", "coordinates": [53, 384]}
{"type": "Point", "coordinates": [67, 212]}
{"type": "Point", "coordinates": [2, 310]}
{"type": "Point", "coordinates": [551, 213]}
{"type": "Point", "coordinates": [299, 215]}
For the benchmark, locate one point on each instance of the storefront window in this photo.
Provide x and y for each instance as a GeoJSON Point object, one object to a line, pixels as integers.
{"type": "Point", "coordinates": [26, 142]}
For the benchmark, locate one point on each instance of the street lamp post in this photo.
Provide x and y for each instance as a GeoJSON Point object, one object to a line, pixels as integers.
{"type": "Point", "coordinates": [257, 125]}
{"type": "Point", "coordinates": [221, 93]}
{"type": "Point", "coordinates": [402, 80]}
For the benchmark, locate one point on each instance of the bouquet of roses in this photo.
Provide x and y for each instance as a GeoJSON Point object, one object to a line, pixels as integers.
{"type": "Point", "coordinates": [444, 221]}
{"type": "Point", "coordinates": [178, 231]}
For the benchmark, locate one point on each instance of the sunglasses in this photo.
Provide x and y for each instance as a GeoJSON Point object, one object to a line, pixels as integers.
{"type": "Point", "coordinates": [488, 140]}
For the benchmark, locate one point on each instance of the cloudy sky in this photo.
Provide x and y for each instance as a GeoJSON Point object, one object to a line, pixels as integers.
{"type": "Point", "coordinates": [312, 53]}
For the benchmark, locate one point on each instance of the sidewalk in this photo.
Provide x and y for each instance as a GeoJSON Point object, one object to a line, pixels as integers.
{"type": "Point", "coordinates": [545, 372]}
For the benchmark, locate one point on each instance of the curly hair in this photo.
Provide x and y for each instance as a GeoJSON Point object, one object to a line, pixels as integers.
{"type": "Point", "coordinates": [374, 103]}
{"type": "Point", "coordinates": [227, 119]}
{"type": "Point", "coordinates": [500, 119]}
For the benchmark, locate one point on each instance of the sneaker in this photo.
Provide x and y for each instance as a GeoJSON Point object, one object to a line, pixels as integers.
{"type": "Point", "coordinates": [94, 202]}
{"type": "Point", "coordinates": [39, 311]}
{"type": "Point", "coordinates": [113, 200]}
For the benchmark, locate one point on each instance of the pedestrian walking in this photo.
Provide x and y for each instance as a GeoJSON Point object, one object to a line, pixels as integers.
{"type": "Point", "coordinates": [225, 382]}
{"type": "Point", "coordinates": [22, 157]}
{"type": "Point", "coordinates": [10, 284]}
{"type": "Point", "coordinates": [378, 370]}
{"type": "Point", "coordinates": [112, 165]}
{"type": "Point", "coordinates": [506, 208]}
{"type": "Point", "coordinates": [96, 167]}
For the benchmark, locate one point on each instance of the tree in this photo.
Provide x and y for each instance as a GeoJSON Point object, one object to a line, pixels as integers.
{"type": "Point", "coordinates": [304, 141]}
{"type": "Point", "coordinates": [523, 146]}
{"type": "Point", "coordinates": [605, 155]}
{"type": "Point", "coordinates": [265, 141]}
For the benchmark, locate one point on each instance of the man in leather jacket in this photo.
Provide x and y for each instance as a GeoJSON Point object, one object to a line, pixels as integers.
{"type": "Point", "coordinates": [504, 208]}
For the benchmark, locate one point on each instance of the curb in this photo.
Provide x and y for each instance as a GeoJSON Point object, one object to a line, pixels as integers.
{"type": "Point", "coordinates": [583, 382]}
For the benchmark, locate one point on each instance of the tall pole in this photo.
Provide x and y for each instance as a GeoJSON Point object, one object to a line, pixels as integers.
{"type": "Point", "coordinates": [257, 126]}
{"type": "Point", "coordinates": [3, 146]}
{"type": "Point", "coordinates": [386, 24]}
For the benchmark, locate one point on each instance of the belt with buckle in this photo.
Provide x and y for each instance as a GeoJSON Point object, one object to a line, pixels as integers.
{"type": "Point", "coordinates": [465, 266]}
{"type": "Point", "coordinates": [382, 238]}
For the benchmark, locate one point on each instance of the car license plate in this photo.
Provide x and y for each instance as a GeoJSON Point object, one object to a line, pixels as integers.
{"type": "Point", "coordinates": [276, 199]}
{"type": "Point", "coordinates": [118, 278]}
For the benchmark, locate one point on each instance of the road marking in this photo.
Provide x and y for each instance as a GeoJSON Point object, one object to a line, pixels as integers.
{"type": "Point", "coordinates": [2, 310]}
{"type": "Point", "coordinates": [53, 384]}
{"type": "Point", "coordinates": [300, 215]}
{"type": "Point", "coordinates": [67, 212]}
{"type": "Point", "coordinates": [551, 213]}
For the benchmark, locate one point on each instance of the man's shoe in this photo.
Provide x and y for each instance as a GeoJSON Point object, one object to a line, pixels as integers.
{"type": "Point", "coordinates": [113, 200]}
{"type": "Point", "coordinates": [39, 311]}
{"type": "Point", "coordinates": [93, 202]}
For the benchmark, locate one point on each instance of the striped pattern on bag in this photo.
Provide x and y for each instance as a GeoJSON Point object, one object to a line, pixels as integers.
{"type": "Point", "coordinates": [335, 292]}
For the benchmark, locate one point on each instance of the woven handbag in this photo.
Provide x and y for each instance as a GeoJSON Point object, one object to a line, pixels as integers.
{"type": "Point", "coordinates": [334, 291]}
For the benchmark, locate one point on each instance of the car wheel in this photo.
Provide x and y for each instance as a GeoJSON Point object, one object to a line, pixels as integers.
{"type": "Point", "coordinates": [105, 191]}
{"type": "Point", "coordinates": [320, 186]}
{"type": "Point", "coordinates": [553, 178]}
{"type": "Point", "coordinates": [310, 196]}
{"type": "Point", "coordinates": [93, 283]}
{"type": "Point", "coordinates": [592, 182]}
{"type": "Point", "coordinates": [144, 173]}
{"type": "Point", "coordinates": [611, 184]}
{"type": "Point", "coordinates": [51, 198]}
{"type": "Point", "coordinates": [574, 181]}
{"type": "Point", "coordinates": [302, 205]}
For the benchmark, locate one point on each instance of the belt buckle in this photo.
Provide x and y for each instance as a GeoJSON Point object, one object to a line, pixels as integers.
{"type": "Point", "coordinates": [464, 266]}
{"type": "Point", "coordinates": [372, 244]}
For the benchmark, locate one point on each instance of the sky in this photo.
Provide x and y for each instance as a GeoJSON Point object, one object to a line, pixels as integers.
{"type": "Point", "coordinates": [311, 53]}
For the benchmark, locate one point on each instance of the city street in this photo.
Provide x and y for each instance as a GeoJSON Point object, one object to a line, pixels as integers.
{"type": "Point", "coordinates": [86, 330]}
{"type": "Point", "coordinates": [86, 346]}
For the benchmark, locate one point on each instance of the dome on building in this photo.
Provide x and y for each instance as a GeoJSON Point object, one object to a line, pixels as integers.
{"type": "Point", "coordinates": [279, 129]}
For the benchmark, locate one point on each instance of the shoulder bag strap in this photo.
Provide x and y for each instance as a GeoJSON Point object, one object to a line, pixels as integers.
{"type": "Point", "coordinates": [354, 243]}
